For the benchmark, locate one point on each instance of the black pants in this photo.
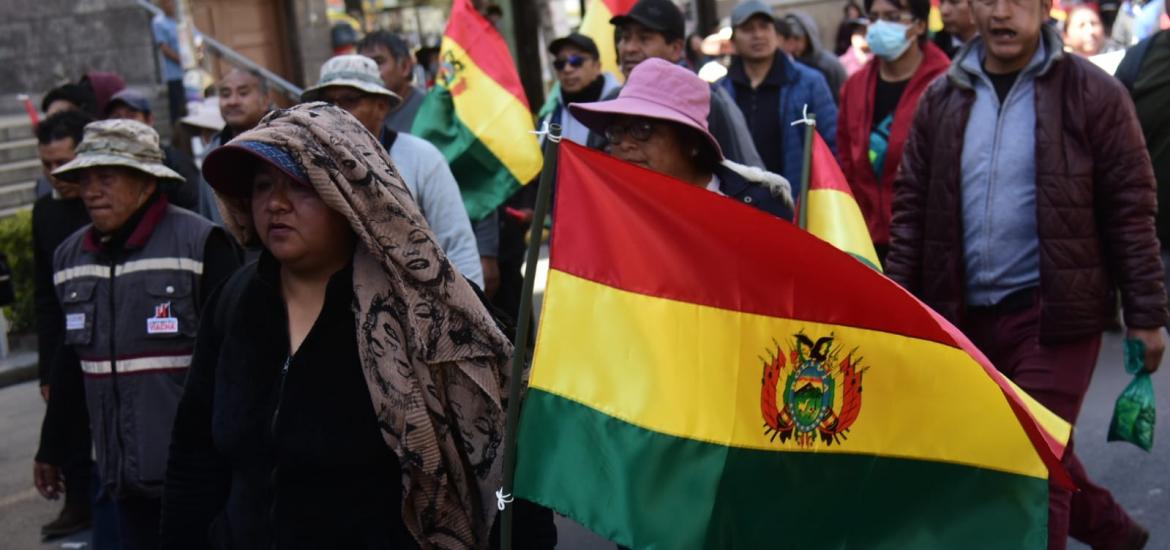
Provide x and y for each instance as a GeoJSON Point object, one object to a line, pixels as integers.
{"type": "Point", "coordinates": [138, 523]}
{"type": "Point", "coordinates": [177, 100]}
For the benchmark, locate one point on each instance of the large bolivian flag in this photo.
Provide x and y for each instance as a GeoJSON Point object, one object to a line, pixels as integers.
{"type": "Point", "coordinates": [832, 212]}
{"type": "Point", "coordinates": [707, 376]}
{"type": "Point", "coordinates": [595, 24]}
{"type": "Point", "coordinates": [477, 113]}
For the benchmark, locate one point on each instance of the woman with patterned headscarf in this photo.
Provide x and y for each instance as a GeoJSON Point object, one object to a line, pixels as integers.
{"type": "Point", "coordinates": [346, 389]}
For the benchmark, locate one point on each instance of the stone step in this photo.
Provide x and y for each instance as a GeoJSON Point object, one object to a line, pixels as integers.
{"type": "Point", "coordinates": [21, 171]}
{"type": "Point", "coordinates": [18, 150]}
{"type": "Point", "coordinates": [16, 127]}
{"type": "Point", "coordinates": [18, 195]}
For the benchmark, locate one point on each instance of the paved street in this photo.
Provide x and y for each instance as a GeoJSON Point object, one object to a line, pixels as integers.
{"type": "Point", "coordinates": [1140, 481]}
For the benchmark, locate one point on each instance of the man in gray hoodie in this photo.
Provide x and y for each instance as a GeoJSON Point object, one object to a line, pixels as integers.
{"type": "Point", "coordinates": [802, 40]}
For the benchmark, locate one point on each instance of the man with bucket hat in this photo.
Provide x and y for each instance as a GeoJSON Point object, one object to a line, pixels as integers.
{"type": "Point", "coordinates": [130, 284]}
{"type": "Point", "coordinates": [656, 29]}
{"type": "Point", "coordinates": [353, 83]}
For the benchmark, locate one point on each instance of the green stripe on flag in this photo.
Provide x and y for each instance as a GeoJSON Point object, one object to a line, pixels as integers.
{"type": "Point", "coordinates": [646, 489]}
{"type": "Point", "coordinates": [484, 181]}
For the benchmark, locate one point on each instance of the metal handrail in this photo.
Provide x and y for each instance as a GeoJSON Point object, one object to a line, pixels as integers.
{"type": "Point", "coordinates": [236, 58]}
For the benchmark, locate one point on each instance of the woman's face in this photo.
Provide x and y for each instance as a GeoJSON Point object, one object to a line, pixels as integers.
{"type": "Point", "coordinates": [652, 144]}
{"type": "Point", "coordinates": [294, 224]}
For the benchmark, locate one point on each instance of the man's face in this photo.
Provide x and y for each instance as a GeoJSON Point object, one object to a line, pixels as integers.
{"type": "Point", "coordinates": [795, 45]}
{"type": "Point", "coordinates": [637, 43]}
{"type": "Point", "coordinates": [369, 109]}
{"type": "Point", "coordinates": [577, 69]}
{"type": "Point", "coordinates": [956, 17]}
{"type": "Point", "coordinates": [756, 39]}
{"type": "Point", "coordinates": [241, 101]}
{"type": "Point", "coordinates": [1010, 29]}
{"type": "Point", "coordinates": [1084, 32]}
{"type": "Point", "coordinates": [167, 6]}
{"type": "Point", "coordinates": [54, 155]}
{"type": "Point", "coordinates": [123, 111]}
{"type": "Point", "coordinates": [113, 194]}
{"type": "Point", "coordinates": [396, 73]}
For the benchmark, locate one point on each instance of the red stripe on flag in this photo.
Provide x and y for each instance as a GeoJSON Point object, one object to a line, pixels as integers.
{"type": "Point", "coordinates": [826, 173]}
{"type": "Point", "coordinates": [632, 245]}
{"type": "Point", "coordinates": [619, 7]}
{"type": "Point", "coordinates": [483, 43]}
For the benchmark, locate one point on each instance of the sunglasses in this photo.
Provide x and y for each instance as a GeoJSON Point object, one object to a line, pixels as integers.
{"type": "Point", "coordinates": [574, 61]}
{"type": "Point", "coordinates": [640, 130]}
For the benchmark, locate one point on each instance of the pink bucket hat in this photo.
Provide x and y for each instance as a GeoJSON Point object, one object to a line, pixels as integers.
{"type": "Point", "coordinates": [656, 89]}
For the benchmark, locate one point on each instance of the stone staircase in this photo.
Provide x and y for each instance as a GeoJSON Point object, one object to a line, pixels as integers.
{"type": "Point", "coordinates": [19, 165]}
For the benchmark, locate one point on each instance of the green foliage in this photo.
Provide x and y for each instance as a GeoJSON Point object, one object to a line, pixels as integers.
{"type": "Point", "coordinates": [16, 242]}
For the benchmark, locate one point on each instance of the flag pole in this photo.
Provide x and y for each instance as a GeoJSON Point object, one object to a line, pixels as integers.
{"type": "Point", "coordinates": [523, 324]}
{"type": "Point", "coordinates": [810, 124]}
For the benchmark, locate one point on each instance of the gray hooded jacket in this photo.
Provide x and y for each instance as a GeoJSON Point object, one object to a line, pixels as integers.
{"type": "Point", "coordinates": [817, 56]}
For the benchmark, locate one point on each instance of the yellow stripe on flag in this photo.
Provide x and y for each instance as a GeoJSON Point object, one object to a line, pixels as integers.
{"type": "Point", "coordinates": [494, 116]}
{"type": "Point", "coordinates": [596, 25]}
{"type": "Point", "coordinates": [696, 372]}
{"type": "Point", "coordinates": [835, 217]}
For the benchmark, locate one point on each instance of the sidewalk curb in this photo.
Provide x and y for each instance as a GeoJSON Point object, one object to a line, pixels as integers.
{"type": "Point", "coordinates": [19, 372]}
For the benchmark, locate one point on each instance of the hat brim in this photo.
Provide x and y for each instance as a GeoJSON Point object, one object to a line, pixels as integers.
{"type": "Point", "coordinates": [597, 115]}
{"type": "Point", "coordinates": [619, 20]}
{"type": "Point", "coordinates": [314, 94]}
{"type": "Point", "coordinates": [752, 14]}
{"type": "Point", "coordinates": [230, 169]}
{"type": "Point", "coordinates": [559, 44]}
{"type": "Point", "coordinates": [71, 170]}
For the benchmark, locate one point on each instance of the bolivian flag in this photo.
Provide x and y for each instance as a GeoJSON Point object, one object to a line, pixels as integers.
{"type": "Point", "coordinates": [832, 212]}
{"type": "Point", "coordinates": [595, 24]}
{"type": "Point", "coordinates": [477, 113]}
{"type": "Point", "coordinates": [708, 376]}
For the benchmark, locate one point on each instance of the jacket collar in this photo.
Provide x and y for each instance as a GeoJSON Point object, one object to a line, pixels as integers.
{"type": "Point", "coordinates": [968, 63]}
{"type": "Point", "coordinates": [143, 222]}
{"type": "Point", "coordinates": [778, 75]}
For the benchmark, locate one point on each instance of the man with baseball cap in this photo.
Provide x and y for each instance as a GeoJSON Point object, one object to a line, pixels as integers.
{"type": "Point", "coordinates": [353, 83]}
{"type": "Point", "coordinates": [772, 91]}
{"type": "Point", "coordinates": [131, 104]}
{"type": "Point", "coordinates": [655, 28]}
{"type": "Point", "coordinates": [577, 63]}
{"type": "Point", "coordinates": [131, 285]}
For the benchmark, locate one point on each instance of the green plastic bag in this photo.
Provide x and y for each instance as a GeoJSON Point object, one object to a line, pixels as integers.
{"type": "Point", "coordinates": [1134, 413]}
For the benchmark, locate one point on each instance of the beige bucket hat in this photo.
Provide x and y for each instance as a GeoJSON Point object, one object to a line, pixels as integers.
{"type": "Point", "coordinates": [126, 143]}
{"type": "Point", "coordinates": [352, 71]}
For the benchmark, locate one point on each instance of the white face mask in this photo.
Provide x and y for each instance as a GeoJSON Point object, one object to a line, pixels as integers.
{"type": "Point", "coordinates": [888, 40]}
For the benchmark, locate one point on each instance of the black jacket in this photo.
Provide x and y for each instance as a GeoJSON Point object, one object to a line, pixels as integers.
{"type": "Point", "coordinates": [52, 221]}
{"type": "Point", "coordinates": [264, 456]}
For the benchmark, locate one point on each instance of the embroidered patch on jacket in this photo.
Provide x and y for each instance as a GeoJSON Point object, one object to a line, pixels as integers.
{"type": "Point", "coordinates": [75, 321]}
{"type": "Point", "coordinates": [162, 322]}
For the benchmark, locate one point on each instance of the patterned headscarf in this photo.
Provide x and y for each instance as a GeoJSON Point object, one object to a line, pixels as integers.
{"type": "Point", "coordinates": [433, 358]}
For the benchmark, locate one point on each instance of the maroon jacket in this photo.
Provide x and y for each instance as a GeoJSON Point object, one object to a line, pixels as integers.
{"type": "Point", "coordinates": [1095, 203]}
{"type": "Point", "coordinates": [854, 124]}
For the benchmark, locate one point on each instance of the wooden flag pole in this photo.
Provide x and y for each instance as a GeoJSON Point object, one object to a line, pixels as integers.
{"type": "Point", "coordinates": [523, 322]}
{"type": "Point", "coordinates": [810, 125]}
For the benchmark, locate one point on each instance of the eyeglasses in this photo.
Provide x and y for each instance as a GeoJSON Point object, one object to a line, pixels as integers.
{"type": "Point", "coordinates": [345, 101]}
{"type": "Point", "coordinates": [574, 61]}
{"type": "Point", "coordinates": [890, 17]}
{"type": "Point", "coordinates": [640, 130]}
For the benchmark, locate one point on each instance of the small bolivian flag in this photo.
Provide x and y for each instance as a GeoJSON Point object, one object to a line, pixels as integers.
{"type": "Point", "coordinates": [832, 212]}
{"type": "Point", "coordinates": [595, 24]}
{"type": "Point", "coordinates": [708, 376]}
{"type": "Point", "coordinates": [477, 113]}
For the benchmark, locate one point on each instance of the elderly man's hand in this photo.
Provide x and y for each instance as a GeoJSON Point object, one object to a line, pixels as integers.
{"type": "Point", "coordinates": [1154, 343]}
{"type": "Point", "coordinates": [48, 480]}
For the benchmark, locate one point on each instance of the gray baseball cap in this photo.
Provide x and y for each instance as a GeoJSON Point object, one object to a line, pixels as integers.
{"type": "Point", "coordinates": [741, 13]}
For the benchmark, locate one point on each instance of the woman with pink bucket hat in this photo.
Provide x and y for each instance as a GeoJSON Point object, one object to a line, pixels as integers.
{"type": "Point", "coordinates": [659, 121]}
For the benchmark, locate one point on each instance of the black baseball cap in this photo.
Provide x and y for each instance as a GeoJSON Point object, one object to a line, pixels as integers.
{"type": "Point", "coordinates": [582, 42]}
{"type": "Point", "coordinates": [130, 98]}
{"type": "Point", "coordinates": [658, 15]}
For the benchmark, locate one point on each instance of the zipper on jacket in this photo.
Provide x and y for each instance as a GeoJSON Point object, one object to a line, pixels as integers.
{"type": "Point", "coordinates": [280, 393]}
{"type": "Point", "coordinates": [114, 366]}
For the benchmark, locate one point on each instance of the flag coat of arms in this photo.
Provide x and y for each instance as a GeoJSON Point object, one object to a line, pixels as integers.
{"type": "Point", "coordinates": [477, 113]}
{"type": "Point", "coordinates": [708, 376]}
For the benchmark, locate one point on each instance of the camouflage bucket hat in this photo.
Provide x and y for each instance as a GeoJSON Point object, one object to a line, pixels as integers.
{"type": "Point", "coordinates": [126, 143]}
